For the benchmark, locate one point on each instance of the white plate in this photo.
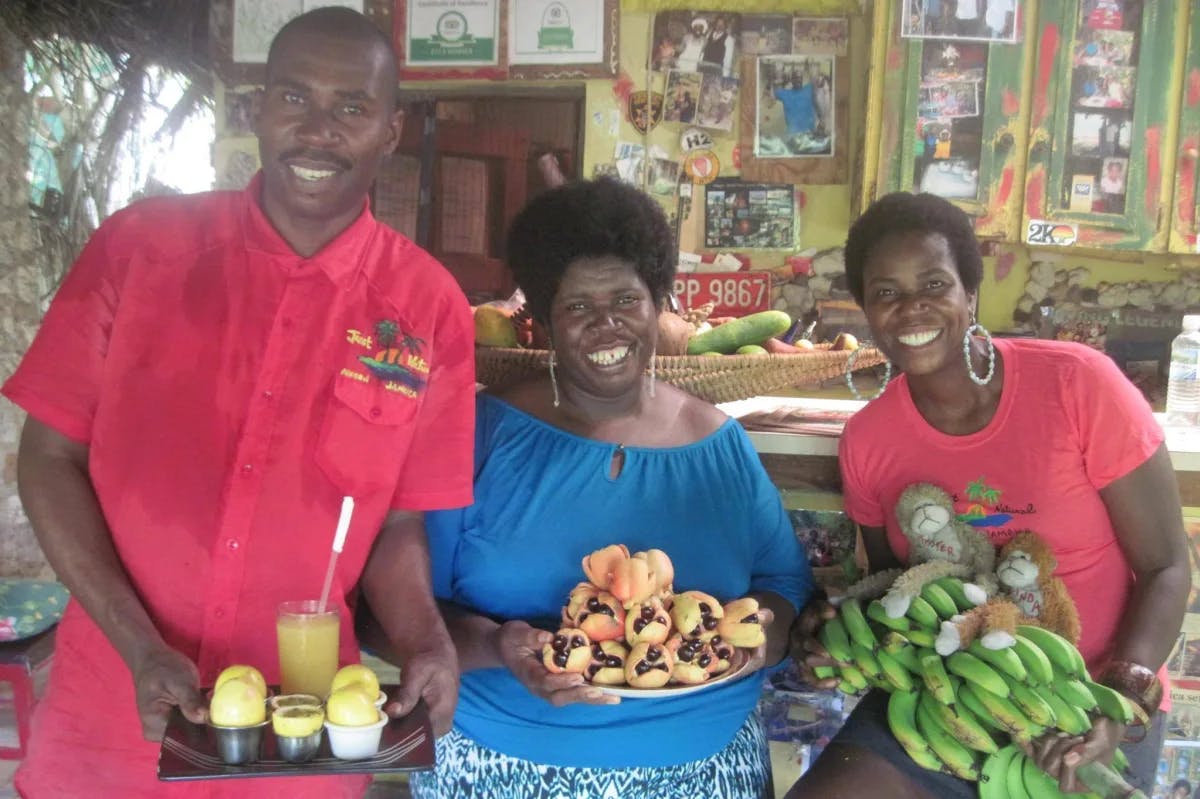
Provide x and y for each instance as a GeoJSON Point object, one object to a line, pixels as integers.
{"type": "Point", "coordinates": [733, 673]}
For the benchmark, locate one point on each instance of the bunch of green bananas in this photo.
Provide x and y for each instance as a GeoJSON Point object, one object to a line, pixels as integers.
{"type": "Point", "coordinates": [958, 713]}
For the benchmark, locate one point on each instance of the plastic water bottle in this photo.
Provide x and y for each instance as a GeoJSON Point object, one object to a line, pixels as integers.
{"type": "Point", "coordinates": [1183, 385]}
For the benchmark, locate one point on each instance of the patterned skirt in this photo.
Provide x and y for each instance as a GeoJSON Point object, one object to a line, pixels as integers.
{"type": "Point", "coordinates": [466, 770]}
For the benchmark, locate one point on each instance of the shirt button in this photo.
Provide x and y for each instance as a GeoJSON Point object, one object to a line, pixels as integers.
{"type": "Point", "coordinates": [247, 468]}
{"type": "Point", "coordinates": [219, 613]}
{"type": "Point", "coordinates": [267, 395]}
{"type": "Point", "coordinates": [375, 412]}
{"type": "Point", "coordinates": [233, 544]}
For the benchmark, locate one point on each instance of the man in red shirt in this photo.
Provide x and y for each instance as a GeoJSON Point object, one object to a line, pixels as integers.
{"type": "Point", "coordinates": [217, 372]}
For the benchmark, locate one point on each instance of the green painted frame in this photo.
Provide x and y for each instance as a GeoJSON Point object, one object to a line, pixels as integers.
{"type": "Point", "coordinates": [1141, 226]}
{"type": "Point", "coordinates": [997, 208]}
{"type": "Point", "coordinates": [1185, 215]}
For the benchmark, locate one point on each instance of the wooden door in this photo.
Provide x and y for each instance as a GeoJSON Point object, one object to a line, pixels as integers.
{"type": "Point", "coordinates": [478, 185]}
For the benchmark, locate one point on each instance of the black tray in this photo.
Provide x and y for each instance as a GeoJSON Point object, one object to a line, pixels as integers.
{"type": "Point", "coordinates": [189, 751]}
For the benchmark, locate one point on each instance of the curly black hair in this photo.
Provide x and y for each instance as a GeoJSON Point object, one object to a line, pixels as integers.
{"type": "Point", "coordinates": [902, 212]}
{"type": "Point", "coordinates": [589, 218]}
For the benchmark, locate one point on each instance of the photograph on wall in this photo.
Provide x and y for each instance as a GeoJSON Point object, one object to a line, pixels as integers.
{"type": "Point", "coordinates": [718, 102]}
{"type": "Point", "coordinates": [682, 96]}
{"type": "Point", "coordinates": [979, 20]}
{"type": "Point", "coordinates": [820, 35]}
{"type": "Point", "coordinates": [953, 62]}
{"type": "Point", "coordinates": [1104, 48]}
{"type": "Point", "coordinates": [1104, 87]}
{"type": "Point", "coordinates": [255, 23]}
{"type": "Point", "coordinates": [1113, 174]}
{"type": "Point", "coordinates": [952, 179]}
{"type": "Point", "coordinates": [949, 100]}
{"type": "Point", "coordinates": [1099, 135]}
{"type": "Point", "coordinates": [452, 33]}
{"type": "Point", "coordinates": [795, 114]}
{"type": "Point", "coordinates": [749, 215]}
{"type": "Point", "coordinates": [662, 173]}
{"type": "Point", "coordinates": [766, 34]}
{"type": "Point", "coordinates": [629, 161]}
{"type": "Point", "coordinates": [555, 31]}
{"type": "Point", "coordinates": [691, 41]}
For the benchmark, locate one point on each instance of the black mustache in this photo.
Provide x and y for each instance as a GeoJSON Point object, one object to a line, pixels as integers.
{"type": "Point", "coordinates": [320, 156]}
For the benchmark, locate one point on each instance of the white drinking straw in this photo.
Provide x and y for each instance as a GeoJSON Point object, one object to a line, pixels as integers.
{"type": "Point", "coordinates": [339, 540]}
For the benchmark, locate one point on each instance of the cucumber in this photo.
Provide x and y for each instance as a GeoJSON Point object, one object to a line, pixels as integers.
{"type": "Point", "coordinates": [753, 329]}
{"type": "Point", "coordinates": [751, 349]}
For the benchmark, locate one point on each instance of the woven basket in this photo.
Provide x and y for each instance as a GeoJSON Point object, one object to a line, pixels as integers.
{"type": "Point", "coordinates": [723, 379]}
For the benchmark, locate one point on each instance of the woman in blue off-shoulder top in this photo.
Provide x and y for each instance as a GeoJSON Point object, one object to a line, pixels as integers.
{"type": "Point", "coordinates": [593, 453]}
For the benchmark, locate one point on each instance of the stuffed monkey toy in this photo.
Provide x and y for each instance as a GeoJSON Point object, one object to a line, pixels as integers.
{"type": "Point", "coordinates": [1029, 594]}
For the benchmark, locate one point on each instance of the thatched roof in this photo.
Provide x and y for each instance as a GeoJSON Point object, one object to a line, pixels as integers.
{"type": "Point", "coordinates": [170, 33]}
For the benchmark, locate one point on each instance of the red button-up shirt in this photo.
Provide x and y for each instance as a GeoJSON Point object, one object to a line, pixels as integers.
{"type": "Point", "coordinates": [232, 392]}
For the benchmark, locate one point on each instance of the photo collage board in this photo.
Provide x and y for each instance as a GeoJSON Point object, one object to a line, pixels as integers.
{"type": "Point", "coordinates": [702, 54]}
{"type": "Point", "coordinates": [1104, 57]}
{"type": "Point", "coordinates": [950, 103]}
{"type": "Point", "coordinates": [949, 135]}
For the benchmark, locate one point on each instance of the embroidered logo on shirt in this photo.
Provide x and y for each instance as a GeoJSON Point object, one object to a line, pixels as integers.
{"type": "Point", "coordinates": [986, 512]}
{"type": "Point", "coordinates": [398, 363]}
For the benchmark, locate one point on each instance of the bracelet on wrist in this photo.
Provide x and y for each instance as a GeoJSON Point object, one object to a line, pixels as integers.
{"type": "Point", "coordinates": [1137, 683]}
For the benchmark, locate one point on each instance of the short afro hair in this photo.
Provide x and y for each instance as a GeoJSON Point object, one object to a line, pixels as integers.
{"type": "Point", "coordinates": [902, 212]}
{"type": "Point", "coordinates": [587, 219]}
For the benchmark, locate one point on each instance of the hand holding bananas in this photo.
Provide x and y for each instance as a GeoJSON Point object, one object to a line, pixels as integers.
{"type": "Point", "coordinates": [959, 713]}
{"type": "Point", "coordinates": [807, 650]}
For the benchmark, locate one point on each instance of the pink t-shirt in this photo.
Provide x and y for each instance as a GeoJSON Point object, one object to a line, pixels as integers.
{"type": "Point", "coordinates": [1068, 424]}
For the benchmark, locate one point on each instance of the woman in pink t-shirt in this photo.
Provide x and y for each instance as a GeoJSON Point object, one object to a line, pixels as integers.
{"type": "Point", "coordinates": [1065, 446]}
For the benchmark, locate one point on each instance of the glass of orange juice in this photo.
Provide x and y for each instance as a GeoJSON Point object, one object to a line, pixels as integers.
{"type": "Point", "coordinates": [308, 647]}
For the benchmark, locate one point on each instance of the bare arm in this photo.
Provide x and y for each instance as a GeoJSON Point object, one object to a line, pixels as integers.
{"type": "Point", "coordinates": [58, 496]}
{"type": "Point", "coordinates": [399, 590]}
{"type": "Point", "coordinates": [1145, 510]}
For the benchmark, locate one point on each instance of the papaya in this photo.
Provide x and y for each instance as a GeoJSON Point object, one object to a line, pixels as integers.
{"type": "Point", "coordinates": [494, 327]}
{"type": "Point", "coordinates": [753, 329]}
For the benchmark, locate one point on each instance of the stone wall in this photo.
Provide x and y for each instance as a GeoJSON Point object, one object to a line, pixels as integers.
{"type": "Point", "coordinates": [19, 307]}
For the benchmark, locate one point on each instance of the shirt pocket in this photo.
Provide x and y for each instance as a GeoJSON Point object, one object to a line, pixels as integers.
{"type": "Point", "coordinates": [365, 437]}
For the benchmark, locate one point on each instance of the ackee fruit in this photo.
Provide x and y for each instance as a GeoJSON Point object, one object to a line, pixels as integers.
{"type": "Point", "coordinates": [569, 650]}
{"type": "Point", "coordinates": [356, 673]}
{"type": "Point", "coordinates": [247, 674]}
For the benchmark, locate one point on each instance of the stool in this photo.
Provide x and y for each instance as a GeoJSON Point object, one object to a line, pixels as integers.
{"type": "Point", "coordinates": [18, 661]}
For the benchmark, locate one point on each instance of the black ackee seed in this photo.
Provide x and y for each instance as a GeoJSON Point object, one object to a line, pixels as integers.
{"type": "Point", "coordinates": [653, 654]}
{"type": "Point", "coordinates": [560, 659]}
{"type": "Point", "coordinates": [597, 651]}
{"type": "Point", "coordinates": [704, 661]}
{"type": "Point", "coordinates": [710, 623]}
{"type": "Point", "coordinates": [560, 641]}
{"type": "Point", "coordinates": [639, 625]}
{"type": "Point", "coordinates": [613, 662]}
{"type": "Point", "coordinates": [592, 669]}
{"type": "Point", "coordinates": [576, 642]}
{"type": "Point", "coordinates": [642, 668]}
{"type": "Point", "coordinates": [751, 619]}
{"type": "Point", "coordinates": [647, 613]}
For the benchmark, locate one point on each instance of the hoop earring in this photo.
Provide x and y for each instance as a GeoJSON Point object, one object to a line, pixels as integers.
{"type": "Point", "coordinates": [653, 358]}
{"type": "Point", "coordinates": [887, 376]}
{"type": "Point", "coordinates": [553, 379]}
{"type": "Point", "coordinates": [991, 370]}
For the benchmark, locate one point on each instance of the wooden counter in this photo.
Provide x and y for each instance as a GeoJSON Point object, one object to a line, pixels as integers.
{"type": "Point", "coordinates": [799, 461]}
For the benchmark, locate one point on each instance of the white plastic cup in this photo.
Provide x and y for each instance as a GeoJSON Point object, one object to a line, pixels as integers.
{"type": "Point", "coordinates": [355, 743]}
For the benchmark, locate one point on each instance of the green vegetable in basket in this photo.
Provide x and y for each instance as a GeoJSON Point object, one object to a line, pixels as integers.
{"type": "Point", "coordinates": [753, 329]}
{"type": "Point", "coordinates": [752, 349]}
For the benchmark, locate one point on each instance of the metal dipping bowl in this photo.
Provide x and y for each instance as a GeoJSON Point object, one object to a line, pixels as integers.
{"type": "Point", "coordinates": [298, 749]}
{"type": "Point", "coordinates": [237, 745]}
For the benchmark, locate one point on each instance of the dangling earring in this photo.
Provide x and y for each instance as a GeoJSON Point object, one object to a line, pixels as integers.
{"type": "Point", "coordinates": [991, 370]}
{"type": "Point", "coordinates": [553, 379]}
{"type": "Point", "coordinates": [653, 358]}
{"type": "Point", "coordinates": [887, 376]}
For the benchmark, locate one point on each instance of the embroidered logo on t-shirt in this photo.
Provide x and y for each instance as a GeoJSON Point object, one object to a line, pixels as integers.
{"type": "Point", "coordinates": [397, 362]}
{"type": "Point", "coordinates": [986, 511]}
